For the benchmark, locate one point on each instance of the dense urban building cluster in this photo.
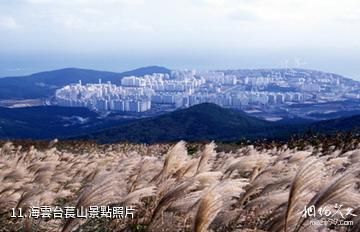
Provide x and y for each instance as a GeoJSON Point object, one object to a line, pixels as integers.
{"type": "Point", "coordinates": [236, 89]}
{"type": "Point", "coordinates": [105, 97]}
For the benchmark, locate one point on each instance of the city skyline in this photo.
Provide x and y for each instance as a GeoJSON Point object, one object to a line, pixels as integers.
{"type": "Point", "coordinates": [241, 89]}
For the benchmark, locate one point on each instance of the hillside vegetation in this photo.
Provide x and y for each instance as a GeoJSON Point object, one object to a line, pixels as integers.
{"type": "Point", "coordinates": [205, 121]}
{"type": "Point", "coordinates": [202, 122]}
{"type": "Point", "coordinates": [181, 187]}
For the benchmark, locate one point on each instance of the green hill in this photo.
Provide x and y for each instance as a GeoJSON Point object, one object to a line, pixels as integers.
{"type": "Point", "coordinates": [201, 122]}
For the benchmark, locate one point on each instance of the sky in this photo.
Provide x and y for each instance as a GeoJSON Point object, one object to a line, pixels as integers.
{"type": "Point", "coordinates": [118, 35]}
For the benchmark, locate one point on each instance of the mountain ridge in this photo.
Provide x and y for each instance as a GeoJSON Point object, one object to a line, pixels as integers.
{"type": "Point", "coordinates": [208, 121]}
{"type": "Point", "coordinates": [205, 121]}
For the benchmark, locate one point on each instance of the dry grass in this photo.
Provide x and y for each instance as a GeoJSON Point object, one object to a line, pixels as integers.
{"type": "Point", "coordinates": [262, 188]}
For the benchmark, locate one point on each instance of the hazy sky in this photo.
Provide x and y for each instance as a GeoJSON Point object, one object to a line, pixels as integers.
{"type": "Point", "coordinates": [37, 35]}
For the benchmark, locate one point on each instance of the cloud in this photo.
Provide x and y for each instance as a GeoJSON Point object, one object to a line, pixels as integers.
{"type": "Point", "coordinates": [8, 23]}
{"type": "Point", "coordinates": [349, 18]}
{"type": "Point", "coordinates": [243, 15]}
{"type": "Point", "coordinates": [107, 16]}
{"type": "Point", "coordinates": [181, 24]}
{"type": "Point", "coordinates": [84, 3]}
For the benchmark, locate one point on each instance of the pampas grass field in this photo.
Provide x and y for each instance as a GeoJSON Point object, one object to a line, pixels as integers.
{"type": "Point", "coordinates": [181, 187]}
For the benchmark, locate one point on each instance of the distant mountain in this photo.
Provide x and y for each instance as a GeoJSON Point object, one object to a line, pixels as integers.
{"type": "Point", "coordinates": [200, 122]}
{"type": "Point", "coordinates": [47, 122]}
{"type": "Point", "coordinates": [146, 70]}
{"type": "Point", "coordinates": [44, 84]}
